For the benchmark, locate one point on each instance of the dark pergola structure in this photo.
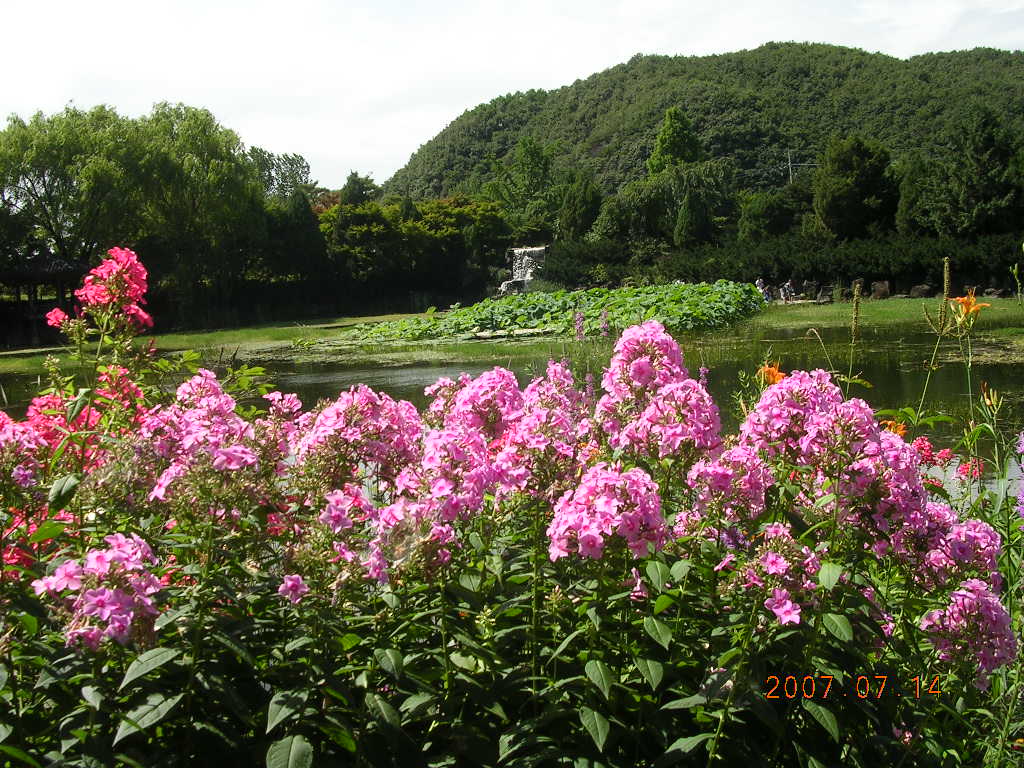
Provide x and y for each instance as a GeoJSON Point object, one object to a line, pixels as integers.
{"type": "Point", "coordinates": [24, 279]}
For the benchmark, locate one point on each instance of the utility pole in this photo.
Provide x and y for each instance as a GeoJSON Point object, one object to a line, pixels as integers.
{"type": "Point", "coordinates": [789, 163]}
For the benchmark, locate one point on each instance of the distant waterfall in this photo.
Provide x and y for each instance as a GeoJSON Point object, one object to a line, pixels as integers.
{"type": "Point", "coordinates": [524, 262]}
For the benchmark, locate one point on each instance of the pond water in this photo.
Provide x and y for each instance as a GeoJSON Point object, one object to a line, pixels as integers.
{"type": "Point", "coordinates": [894, 361]}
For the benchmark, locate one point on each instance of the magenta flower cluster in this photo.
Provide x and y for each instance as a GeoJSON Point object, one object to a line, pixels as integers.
{"type": "Point", "coordinates": [118, 284]}
{"type": "Point", "coordinates": [973, 628]}
{"type": "Point", "coordinates": [200, 427]}
{"type": "Point", "coordinates": [109, 595]}
{"type": "Point", "coordinates": [368, 486]}
{"type": "Point", "coordinates": [608, 502]}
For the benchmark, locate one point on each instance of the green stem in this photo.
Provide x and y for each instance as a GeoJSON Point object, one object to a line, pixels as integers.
{"type": "Point", "coordinates": [443, 619]}
{"type": "Point", "coordinates": [927, 381]}
{"type": "Point", "coordinates": [199, 619]}
{"type": "Point", "coordinates": [535, 605]}
{"type": "Point", "coordinates": [713, 752]}
{"type": "Point", "coordinates": [1004, 731]}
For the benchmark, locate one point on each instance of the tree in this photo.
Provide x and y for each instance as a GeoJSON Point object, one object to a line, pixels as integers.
{"type": "Point", "coordinates": [281, 175]}
{"type": "Point", "coordinates": [204, 217]}
{"type": "Point", "coordinates": [853, 189]}
{"type": "Point", "coordinates": [693, 223]}
{"type": "Point", "coordinates": [676, 143]}
{"type": "Point", "coordinates": [358, 190]}
{"type": "Point", "coordinates": [526, 189]}
{"type": "Point", "coordinates": [581, 205]}
{"type": "Point", "coordinates": [74, 178]}
{"type": "Point", "coordinates": [649, 207]}
{"type": "Point", "coordinates": [979, 189]}
{"type": "Point", "coordinates": [916, 189]}
{"type": "Point", "coordinates": [765, 214]}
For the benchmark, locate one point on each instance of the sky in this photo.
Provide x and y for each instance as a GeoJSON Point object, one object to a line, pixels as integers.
{"type": "Point", "coordinates": [362, 84]}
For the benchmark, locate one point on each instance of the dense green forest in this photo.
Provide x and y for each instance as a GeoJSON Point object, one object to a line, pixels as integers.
{"type": "Point", "coordinates": [792, 161]}
{"type": "Point", "coordinates": [750, 106]}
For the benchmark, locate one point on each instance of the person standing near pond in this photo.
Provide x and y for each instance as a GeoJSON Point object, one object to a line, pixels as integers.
{"type": "Point", "coordinates": [788, 291]}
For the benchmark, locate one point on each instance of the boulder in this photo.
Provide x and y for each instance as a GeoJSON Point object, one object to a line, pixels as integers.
{"type": "Point", "coordinates": [880, 289]}
{"type": "Point", "coordinates": [921, 291]}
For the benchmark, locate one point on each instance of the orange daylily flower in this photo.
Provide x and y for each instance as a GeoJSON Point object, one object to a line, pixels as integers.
{"type": "Point", "coordinates": [898, 427]}
{"type": "Point", "coordinates": [770, 374]}
{"type": "Point", "coordinates": [969, 305]}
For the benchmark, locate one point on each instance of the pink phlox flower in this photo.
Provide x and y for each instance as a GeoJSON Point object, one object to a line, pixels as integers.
{"type": "Point", "coordinates": [608, 502]}
{"type": "Point", "coordinates": [293, 587]}
{"type": "Point", "coordinates": [784, 609]}
{"type": "Point", "coordinates": [726, 561]}
{"type": "Point", "coordinates": [635, 582]}
{"type": "Point", "coordinates": [337, 515]}
{"type": "Point", "coordinates": [233, 457]}
{"type": "Point", "coordinates": [774, 564]}
{"type": "Point", "coordinates": [56, 317]}
{"type": "Point", "coordinates": [283, 406]}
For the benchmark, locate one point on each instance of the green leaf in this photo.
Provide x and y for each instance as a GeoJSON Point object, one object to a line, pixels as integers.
{"type": "Point", "coordinates": [350, 641]}
{"type": "Point", "coordinates": [658, 631]}
{"type": "Point", "coordinates": [682, 747]}
{"type": "Point", "coordinates": [381, 710]}
{"type": "Point", "coordinates": [652, 671]}
{"type": "Point", "coordinates": [5, 731]}
{"type": "Point", "coordinates": [390, 661]}
{"type": "Point", "coordinates": [290, 752]}
{"type": "Point", "coordinates": [470, 581]}
{"type": "Point", "coordinates": [658, 573]}
{"type": "Point", "coordinates": [63, 490]}
{"type": "Point", "coordinates": [340, 736]}
{"type": "Point", "coordinates": [299, 642]}
{"type": "Point", "coordinates": [152, 711]}
{"type": "Point", "coordinates": [687, 703]}
{"type": "Point", "coordinates": [839, 626]}
{"type": "Point", "coordinates": [600, 675]}
{"type": "Point", "coordinates": [19, 755]}
{"type": "Point", "coordinates": [283, 705]}
{"type": "Point", "coordinates": [76, 406]}
{"type": "Point", "coordinates": [92, 696]}
{"type": "Point", "coordinates": [147, 662]}
{"type": "Point", "coordinates": [823, 716]}
{"type": "Point", "coordinates": [416, 702]}
{"type": "Point", "coordinates": [48, 530]}
{"type": "Point", "coordinates": [679, 570]}
{"type": "Point", "coordinates": [562, 645]}
{"type": "Point", "coordinates": [596, 725]}
{"type": "Point", "coordinates": [824, 500]}
{"type": "Point", "coordinates": [663, 603]}
{"type": "Point", "coordinates": [728, 655]}
{"type": "Point", "coordinates": [829, 574]}
{"type": "Point", "coordinates": [29, 623]}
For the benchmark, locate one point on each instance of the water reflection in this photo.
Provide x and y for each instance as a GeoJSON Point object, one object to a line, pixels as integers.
{"type": "Point", "coordinates": [893, 362]}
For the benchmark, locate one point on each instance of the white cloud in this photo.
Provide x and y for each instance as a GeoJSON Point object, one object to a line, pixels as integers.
{"type": "Point", "coordinates": [362, 84]}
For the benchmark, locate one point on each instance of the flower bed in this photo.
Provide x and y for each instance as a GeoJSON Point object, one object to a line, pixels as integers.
{"type": "Point", "coordinates": [513, 576]}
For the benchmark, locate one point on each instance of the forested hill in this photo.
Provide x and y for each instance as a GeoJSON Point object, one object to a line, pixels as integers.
{"type": "Point", "coordinates": [750, 105]}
